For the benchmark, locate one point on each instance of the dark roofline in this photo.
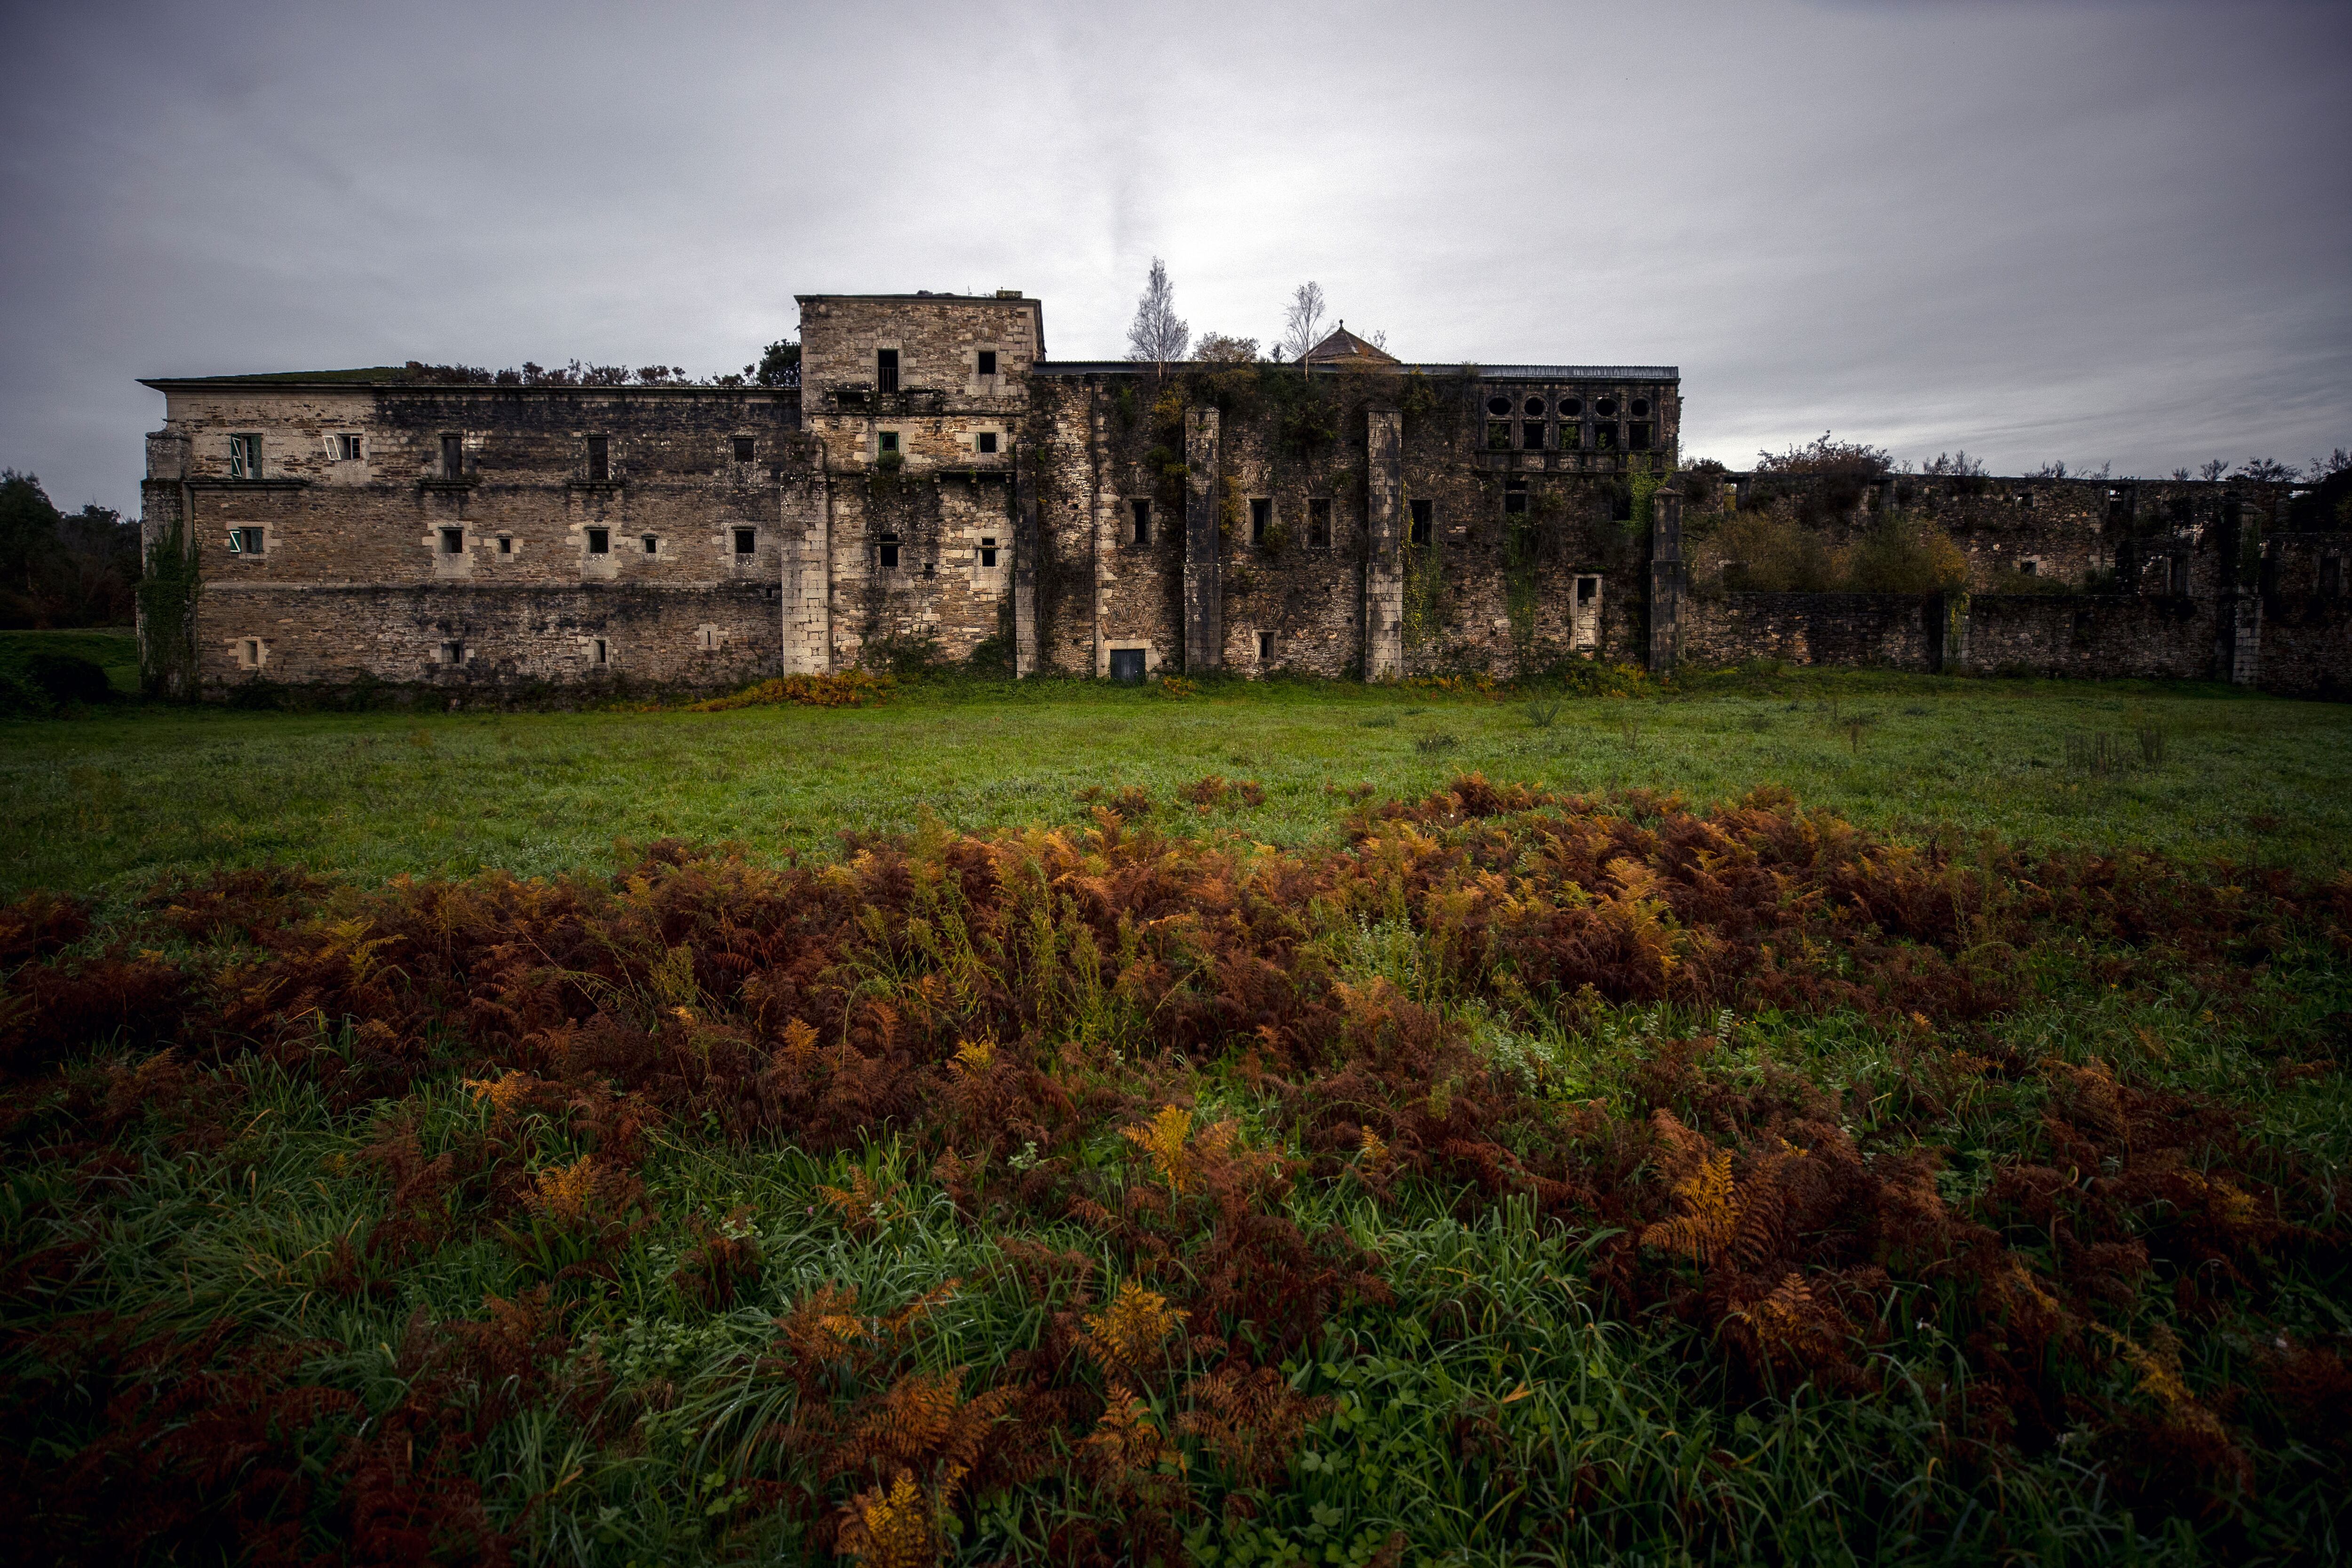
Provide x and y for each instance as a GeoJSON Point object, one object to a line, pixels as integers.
{"type": "Point", "coordinates": [1341, 367]}
{"type": "Point", "coordinates": [944, 299]}
{"type": "Point", "coordinates": [331, 381]}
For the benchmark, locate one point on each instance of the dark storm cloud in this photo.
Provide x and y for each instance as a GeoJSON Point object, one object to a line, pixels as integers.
{"type": "Point", "coordinates": [2102, 233]}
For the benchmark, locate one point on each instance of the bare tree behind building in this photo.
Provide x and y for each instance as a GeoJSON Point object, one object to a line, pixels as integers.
{"type": "Point", "coordinates": [1159, 334]}
{"type": "Point", "coordinates": [1302, 323]}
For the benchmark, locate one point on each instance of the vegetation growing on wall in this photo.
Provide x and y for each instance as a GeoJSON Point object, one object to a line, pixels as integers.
{"type": "Point", "coordinates": [167, 616]}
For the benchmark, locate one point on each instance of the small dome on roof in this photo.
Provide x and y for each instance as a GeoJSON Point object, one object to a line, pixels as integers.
{"type": "Point", "coordinates": [1344, 348]}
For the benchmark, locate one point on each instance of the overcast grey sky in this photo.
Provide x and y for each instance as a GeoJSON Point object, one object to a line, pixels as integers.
{"type": "Point", "coordinates": [2113, 232]}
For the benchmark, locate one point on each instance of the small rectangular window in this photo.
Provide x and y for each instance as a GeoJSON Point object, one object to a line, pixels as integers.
{"type": "Point", "coordinates": [600, 541]}
{"type": "Point", "coordinates": [1266, 647]}
{"type": "Point", "coordinates": [1499, 436]}
{"type": "Point", "coordinates": [1604, 437]}
{"type": "Point", "coordinates": [891, 552]}
{"type": "Point", "coordinates": [652, 544]}
{"type": "Point", "coordinates": [598, 654]}
{"type": "Point", "coordinates": [2331, 576]}
{"type": "Point", "coordinates": [986, 442]}
{"type": "Point", "coordinates": [1261, 518]}
{"type": "Point", "coordinates": [988, 552]}
{"type": "Point", "coordinates": [453, 457]}
{"type": "Point", "coordinates": [505, 545]}
{"type": "Point", "coordinates": [245, 457]}
{"type": "Point", "coordinates": [452, 653]}
{"type": "Point", "coordinates": [453, 541]}
{"type": "Point", "coordinates": [245, 541]}
{"type": "Point", "coordinates": [1424, 521]}
{"type": "Point", "coordinates": [347, 448]}
{"type": "Point", "coordinates": [1638, 437]}
{"type": "Point", "coordinates": [987, 361]}
{"type": "Point", "coordinates": [747, 541]}
{"type": "Point", "coordinates": [1531, 435]}
{"type": "Point", "coordinates": [2028, 568]}
{"type": "Point", "coordinates": [886, 370]}
{"type": "Point", "coordinates": [1142, 517]}
{"type": "Point", "coordinates": [600, 463]}
{"type": "Point", "coordinates": [249, 653]}
{"type": "Point", "coordinates": [742, 449]}
{"type": "Point", "coordinates": [1515, 503]}
{"type": "Point", "coordinates": [887, 440]}
{"type": "Point", "coordinates": [1319, 523]}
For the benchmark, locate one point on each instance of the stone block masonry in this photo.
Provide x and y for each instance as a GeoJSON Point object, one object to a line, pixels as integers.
{"type": "Point", "coordinates": [936, 487]}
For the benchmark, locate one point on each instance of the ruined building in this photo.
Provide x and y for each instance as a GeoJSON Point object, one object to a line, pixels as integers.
{"type": "Point", "coordinates": [935, 486]}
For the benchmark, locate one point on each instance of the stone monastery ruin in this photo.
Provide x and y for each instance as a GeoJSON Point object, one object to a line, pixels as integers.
{"type": "Point", "coordinates": [935, 485]}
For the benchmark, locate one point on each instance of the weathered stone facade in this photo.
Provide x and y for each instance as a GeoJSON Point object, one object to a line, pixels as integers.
{"type": "Point", "coordinates": [935, 486]}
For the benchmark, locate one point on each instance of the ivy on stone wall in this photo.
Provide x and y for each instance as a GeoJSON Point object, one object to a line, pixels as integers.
{"type": "Point", "coordinates": [167, 616]}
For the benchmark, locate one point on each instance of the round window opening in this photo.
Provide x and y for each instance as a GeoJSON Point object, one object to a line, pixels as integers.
{"type": "Point", "coordinates": [1572, 406]}
{"type": "Point", "coordinates": [1605, 407]}
{"type": "Point", "coordinates": [1534, 408]}
{"type": "Point", "coordinates": [1641, 407]}
{"type": "Point", "coordinates": [1498, 405]}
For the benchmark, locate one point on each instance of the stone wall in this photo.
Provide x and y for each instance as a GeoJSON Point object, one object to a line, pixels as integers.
{"type": "Point", "coordinates": [468, 637]}
{"type": "Point", "coordinates": [1889, 630]}
{"type": "Point", "coordinates": [2094, 636]}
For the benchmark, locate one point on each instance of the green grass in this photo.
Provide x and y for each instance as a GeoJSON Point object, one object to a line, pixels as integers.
{"type": "Point", "coordinates": [114, 649]}
{"type": "Point", "coordinates": [106, 804]}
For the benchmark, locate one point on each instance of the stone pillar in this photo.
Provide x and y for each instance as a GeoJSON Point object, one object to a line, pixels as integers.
{"type": "Point", "coordinates": [805, 518]}
{"type": "Point", "coordinates": [1204, 604]}
{"type": "Point", "coordinates": [2238, 615]}
{"type": "Point", "coordinates": [1384, 546]}
{"type": "Point", "coordinates": [1666, 578]}
{"type": "Point", "coordinates": [1025, 563]}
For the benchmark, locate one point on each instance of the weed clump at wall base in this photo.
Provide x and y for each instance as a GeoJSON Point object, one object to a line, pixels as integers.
{"type": "Point", "coordinates": [850, 688]}
{"type": "Point", "coordinates": [1106, 1196]}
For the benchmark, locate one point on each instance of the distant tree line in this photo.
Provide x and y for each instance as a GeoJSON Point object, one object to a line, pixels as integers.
{"type": "Point", "coordinates": [62, 569]}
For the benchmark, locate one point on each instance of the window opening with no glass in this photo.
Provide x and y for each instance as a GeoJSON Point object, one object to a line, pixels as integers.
{"type": "Point", "coordinates": [1531, 435]}
{"type": "Point", "coordinates": [652, 543]}
{"type": "Point", "coordinates": [886, 370]}
{"type": "Point", "coordinates": [1638, 437]}
{"type": "Point", "coordinates": [887, 440]}
{"type": "Point", "coordinates": [452, 653]}
{"type": "Point", "coordinates": [987, 358]}
{"type": "Point", "coordinates": [453, 457]}
{"type": "Point", "coordinates": [600, 541]}
{"type": "Point", "coordinates": [1319, 523]}
{"type": "Point", "coordinates": [1141, 514]}
{"type": "Point", "coordinates": [988, 552]}
{"type": "Point", "coordinates": [453, 541]}
{"type": "Point", "coordinates": [742, 449]}
{"type": "Point", "coordinates": [1261, 518]}
{"type": "Point", "coordinates": [598, 654]}
{"type": "Point", "coordinates": [505, 545]}
{"type": "Point", "coordinates": [1266, 647]}
{"type": "Point", "coordinates": [600, 461]}
{"type": "Point", "coordinates": [1423, 515]}
{"type": "Point", "coordinates": [891, 552]}
{"type": "Point", "coordinates": [249, 653]}
{"type": "Point", "coordinates": [747, 541]}
{"type": "Point", "coordinates": [986, 442]}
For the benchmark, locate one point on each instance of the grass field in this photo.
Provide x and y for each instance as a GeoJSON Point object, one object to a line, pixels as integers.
{"type": "Point", "coordinates": [107, 803]}
{"type": "Point", "coordinates": [1440, 1148]}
